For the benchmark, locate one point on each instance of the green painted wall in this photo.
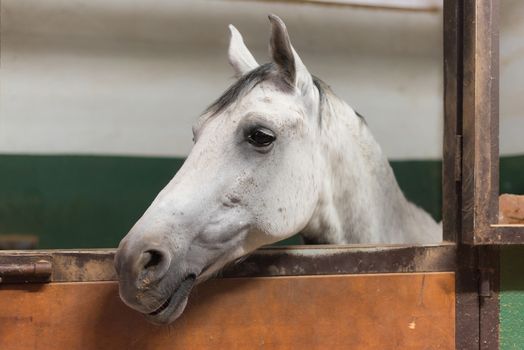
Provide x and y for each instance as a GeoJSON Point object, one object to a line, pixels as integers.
{"type": "Point", "coordinates": [512, 298]}
{"type": "Point", "coordinates": [78, 201]}
{"type": "Point", "coordinates": [90, 201]}
{"type": "Point", "coordinates": [512, 266]}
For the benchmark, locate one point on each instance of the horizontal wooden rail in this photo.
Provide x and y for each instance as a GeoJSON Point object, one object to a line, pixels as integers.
{"type": "Point", "coordinates": [97, 265]}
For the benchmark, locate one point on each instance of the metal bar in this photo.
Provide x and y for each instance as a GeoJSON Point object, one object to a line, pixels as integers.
{"type": "Point", "coordinates": [38, 271]}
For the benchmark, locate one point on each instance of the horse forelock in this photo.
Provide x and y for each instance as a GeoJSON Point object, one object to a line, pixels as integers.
{"type": "Point", "coordinates": [243, 85]}
{"type": "Point", "coordinates": [263, 73]}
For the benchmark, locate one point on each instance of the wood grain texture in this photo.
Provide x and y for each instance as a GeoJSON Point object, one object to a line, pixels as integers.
{"type": "Point", "coordinates": [452, 145]}
{"type": "Point", "coordinates": [97, 265]}
{"type": "Point", "coordinates": [489, 292]}
{"type": "Point", "coordinates": [480, 161]}
{"type": "Point", "coordinates": [388, 311]}
{"type": "Point", "coordinates": [511, 209]}
{"type": "Point", "coordinates": [480, 120]}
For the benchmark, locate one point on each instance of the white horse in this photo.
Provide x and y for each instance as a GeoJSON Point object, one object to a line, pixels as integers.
{"type": "Point", "coordinates": [277, 154]}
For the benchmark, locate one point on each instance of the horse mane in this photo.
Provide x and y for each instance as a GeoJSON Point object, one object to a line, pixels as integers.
{"type": "Point", "coordinates": [326, 97]}
{"type": "Point", "coordinates": [242, 86]}
{"type": "Point", "coordinates": [263, 73]}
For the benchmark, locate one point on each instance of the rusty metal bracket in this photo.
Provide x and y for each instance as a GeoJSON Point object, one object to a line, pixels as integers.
{"type": "Point", "coordinates": [38, 271]}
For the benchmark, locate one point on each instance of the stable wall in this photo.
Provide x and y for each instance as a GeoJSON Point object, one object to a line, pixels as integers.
{"type": "Point", "coordinates": [97, 99]}
{"type": "Point", "coordinates": [512, 298]}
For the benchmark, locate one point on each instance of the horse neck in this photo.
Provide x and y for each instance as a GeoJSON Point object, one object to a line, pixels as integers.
{"type": "Point", "coordinates": [360, 201]}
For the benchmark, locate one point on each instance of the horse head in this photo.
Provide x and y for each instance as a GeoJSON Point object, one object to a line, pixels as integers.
{"type": "Point", "coordinates": [252, 178]}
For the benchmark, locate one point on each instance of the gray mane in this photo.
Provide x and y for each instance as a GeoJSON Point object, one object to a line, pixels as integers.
{"type": "Point", "coordinates": [326, 95]}
{"type": "Point", "coordinates": [243, 85]}
{"type": "Point", "coordinates": [260, 74]}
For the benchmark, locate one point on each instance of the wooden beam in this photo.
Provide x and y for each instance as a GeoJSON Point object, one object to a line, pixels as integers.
{"type": "Point", "coordinates": [480, 161]}
{"type": "Point", "coordinates": [452, 145]}
{"type": "Point", "coordinates": [97, 265]}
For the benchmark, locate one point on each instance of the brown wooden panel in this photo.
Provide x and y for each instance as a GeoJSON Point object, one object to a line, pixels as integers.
{"type": "Point", "coordinates": [511, 209]}
{"type": "Point", "coordinates": [383, 311]}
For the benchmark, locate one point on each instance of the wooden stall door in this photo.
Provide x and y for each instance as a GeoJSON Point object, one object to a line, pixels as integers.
{"type": "Point", "coordinates": [375, 311]}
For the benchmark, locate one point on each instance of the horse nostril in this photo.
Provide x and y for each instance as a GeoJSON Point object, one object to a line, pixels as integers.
{"type": "Point", "coordinates": [152, 258]}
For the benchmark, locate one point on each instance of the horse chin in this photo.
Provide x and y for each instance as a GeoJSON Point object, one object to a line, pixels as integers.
{"type": "Point", "coordinates": [173, 307]}
{"type": "Point", "coordinates": [169, 316]}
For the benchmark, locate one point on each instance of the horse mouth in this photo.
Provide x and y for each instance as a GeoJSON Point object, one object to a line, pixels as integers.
{"type": "Point", "coordinates": [174, 304]}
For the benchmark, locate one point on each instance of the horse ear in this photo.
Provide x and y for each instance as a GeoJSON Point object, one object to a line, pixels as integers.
{"type": "Point", "coordinates": [239, 56]}
{"type": "Point", "coordinates": [285, 57]}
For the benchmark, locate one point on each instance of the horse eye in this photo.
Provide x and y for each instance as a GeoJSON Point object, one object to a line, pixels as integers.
{"type": "Point", "coordinates": [261, 137]}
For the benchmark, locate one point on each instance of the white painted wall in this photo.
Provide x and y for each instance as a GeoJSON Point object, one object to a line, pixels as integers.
{"type": "Point", "coordinates": [130, 77]}
{"type": "Point", "coordinates": [512, 77]}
